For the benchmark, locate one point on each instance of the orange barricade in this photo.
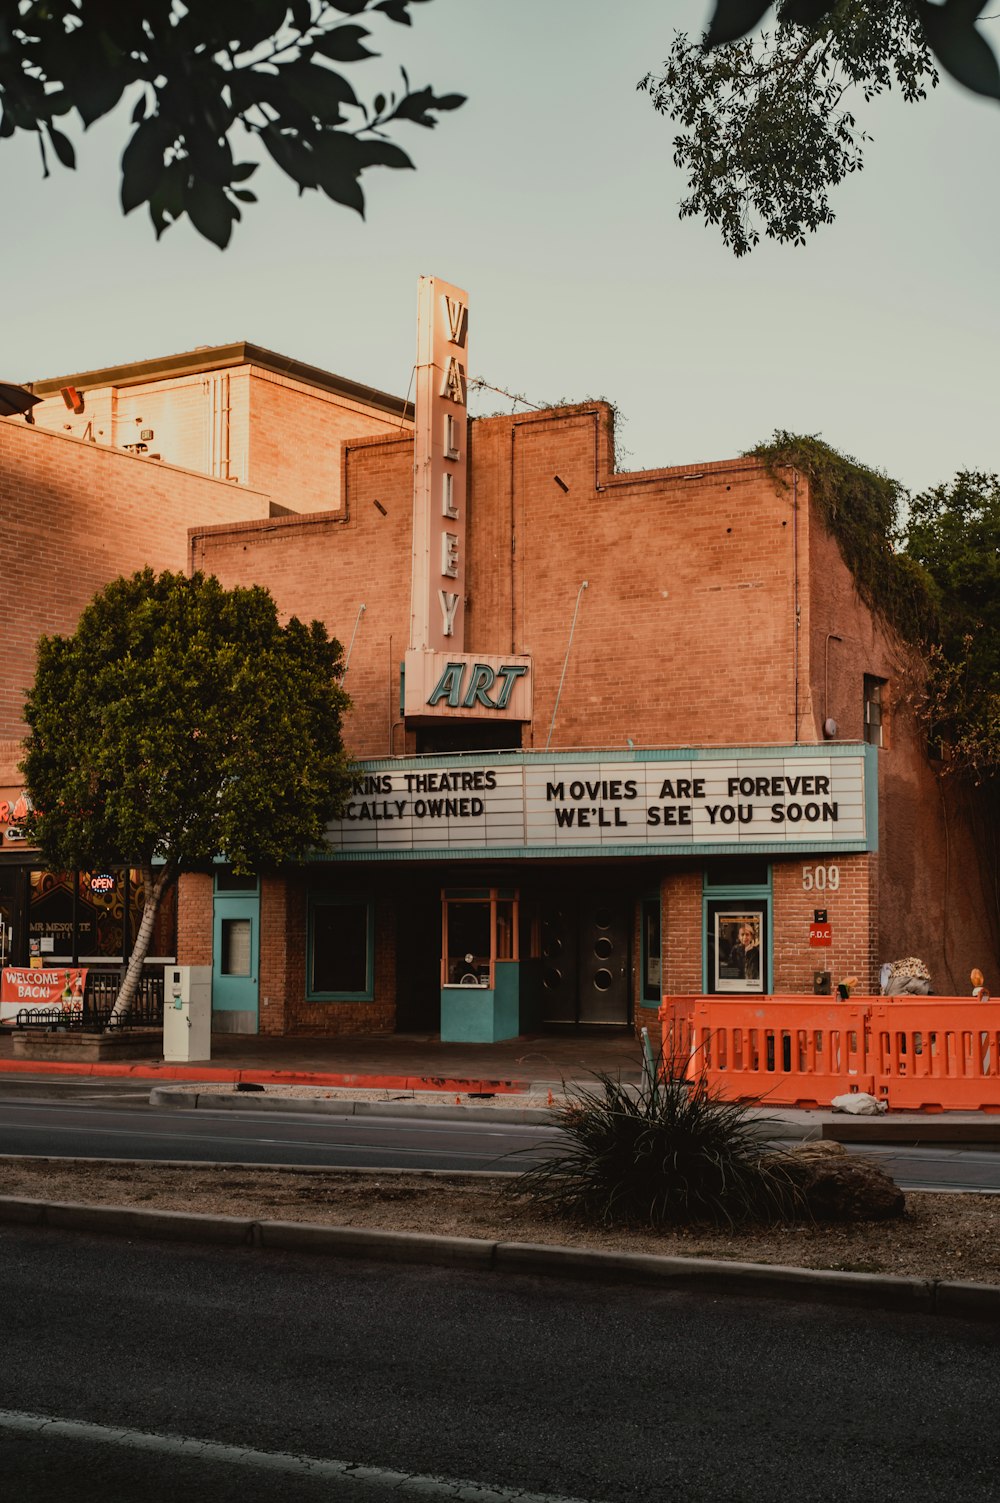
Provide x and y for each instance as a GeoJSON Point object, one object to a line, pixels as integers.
{"type": "Point", "coordinates": [936, 1053]}
{"type": "Point", "coordinates": [914, 1053]}
{"type": "Point", "coordinates": [676, 1025]}
{"type": "Point", "coordinates": [785, 1051]}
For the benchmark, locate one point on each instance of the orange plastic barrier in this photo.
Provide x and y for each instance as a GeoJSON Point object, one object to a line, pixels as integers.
{"type": "Point", "coordinates": [785, 1051]}
{"type": "Point", "coordinates": [936, 1053]}
{"type": "Point", "coordinates": [914, 1053]}
{"type": "Point", "coordinates": [676, 1029]}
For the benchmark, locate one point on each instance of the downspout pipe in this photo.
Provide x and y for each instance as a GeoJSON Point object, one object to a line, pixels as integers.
{"type": "Point", "coordinates": [795, 594]}
{"type": "Point", "coordinates": [585, 585]}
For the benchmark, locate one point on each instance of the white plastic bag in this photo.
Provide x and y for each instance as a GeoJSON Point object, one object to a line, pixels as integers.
{"type": "Point", "coordinates": [859, 1104]}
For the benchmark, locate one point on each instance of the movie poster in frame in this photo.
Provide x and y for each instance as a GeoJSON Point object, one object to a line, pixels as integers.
{"type": "Point", "coordinates": [738, 948]}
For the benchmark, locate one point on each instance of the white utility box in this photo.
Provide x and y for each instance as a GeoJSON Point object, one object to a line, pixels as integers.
{"type": "Point", "coordinates": [187, 1012]}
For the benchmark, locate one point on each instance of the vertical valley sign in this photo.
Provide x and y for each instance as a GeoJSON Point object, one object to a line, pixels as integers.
{"type": "Point", "coordinates": [442, 680]}
{"type": "Point", "coordinates": [440, 468]}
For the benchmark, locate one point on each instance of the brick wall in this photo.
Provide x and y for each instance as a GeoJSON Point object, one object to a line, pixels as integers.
{"type": "Point", "coordinates": [199, 422]}
{"type": "Point", "coordinates": [686, 634]}
{"type": "Point", "coordinates": [296, 437]}
{"type": "Point", "coordinates": [194, 919]}
{"type": "Point", "coordinates": [851, 907]}
{"type": "Point", "coordinates": [326, 566]}
{"type": "Point", "coordinates": [680, 931]}
{"type": "Point", "coordinates": [239, 423]}
{"type": "Point", "coordinates": [75, 516]}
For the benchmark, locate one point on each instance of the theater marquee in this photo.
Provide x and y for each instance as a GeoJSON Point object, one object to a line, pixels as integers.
{"type": "Point", "coordinates": [650, 803]}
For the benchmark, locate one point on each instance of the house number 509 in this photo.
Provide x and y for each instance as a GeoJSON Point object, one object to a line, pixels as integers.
{"type": "Point", "coordinates": [820, 878]}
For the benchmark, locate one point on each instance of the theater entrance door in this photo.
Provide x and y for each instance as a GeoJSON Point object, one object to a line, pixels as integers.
{"type": "Point", "coordinates": [586, 962]}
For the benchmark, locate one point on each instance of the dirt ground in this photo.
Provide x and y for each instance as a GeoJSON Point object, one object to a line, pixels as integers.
{"type": "Point", "coordinates": [940, 1236]}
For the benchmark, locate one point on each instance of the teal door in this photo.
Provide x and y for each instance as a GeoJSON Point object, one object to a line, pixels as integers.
{"type": "Point", "coordinates": [235, 963]}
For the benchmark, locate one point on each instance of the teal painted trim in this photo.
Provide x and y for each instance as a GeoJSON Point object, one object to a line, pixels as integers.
{"type": "Point", "coordinates": [233, 892]}
{"type": "Point", "coordinates": [340, 899]}
{"type": "Point", "coordinates": [489, 854]}
{"type": "Point", "coordinates": [648, 902]}
{"type": "Point", "coordinates": [733, 895]}
{"type": "Point", "coordinates": [480, 1014]}
{"type": "Point", "coordinates": [871, 795]}
{"type": "Point", "coordinates": [236, 993]}
{"type": "Point", "coordinates": [821, 750]}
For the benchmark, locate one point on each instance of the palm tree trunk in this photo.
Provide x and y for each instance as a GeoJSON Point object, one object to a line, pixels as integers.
{"type": "Point", "coordinates": [154, 891]}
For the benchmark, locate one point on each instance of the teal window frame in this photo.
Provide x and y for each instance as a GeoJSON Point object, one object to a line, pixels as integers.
{"type": "Point", "coordinates": [645, 906]}
{"type": "Point", "coordinates": [235, 887]}
{"type": "Point", "coordinates": [341, 900]}
{"type": "Point", "coordinates": [712, 897]}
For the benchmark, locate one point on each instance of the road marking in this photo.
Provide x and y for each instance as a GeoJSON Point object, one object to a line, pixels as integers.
{"type": "Point", "coordinates": [271, 1461]}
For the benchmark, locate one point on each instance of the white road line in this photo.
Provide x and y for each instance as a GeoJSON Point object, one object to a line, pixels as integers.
{"type": "Point", "coordinates": [271, 1461]}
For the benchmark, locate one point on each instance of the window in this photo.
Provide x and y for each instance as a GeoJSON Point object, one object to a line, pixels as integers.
{"type": "Point", "coordinates": [874, 710]}
{"type": "Point", "coordinates": [737, 946]}
{"type": "Point", "coordinates": [737, 934]}
{"type": "Point", "coordinates": [237, 936]}
{"type": "Point", "coordinates": [651, 969]}
{"type": "Point", "coordinates": [469, 736]}
{"type": "Point", "coordinates": [226, 880]}
{"type": "Point", "coordinates": [341, 949]}
{"type": "Point", "coordinates": [481, 926]}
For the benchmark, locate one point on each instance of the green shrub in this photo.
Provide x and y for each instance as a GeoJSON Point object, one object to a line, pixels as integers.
{"type": "Point", "coordinates": [663, 1154]}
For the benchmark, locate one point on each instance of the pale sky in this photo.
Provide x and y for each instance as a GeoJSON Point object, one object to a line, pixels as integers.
{"type": "Point", "coordinates": [551, 197]}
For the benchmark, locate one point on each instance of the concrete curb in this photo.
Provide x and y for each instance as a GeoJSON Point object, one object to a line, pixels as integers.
{"type": "Point", "coordinates": [231, 1074]}
{"type": "Point", "coordinates": [717, 1276]}
{"type": "Point", "coordinates": [344, 1106]}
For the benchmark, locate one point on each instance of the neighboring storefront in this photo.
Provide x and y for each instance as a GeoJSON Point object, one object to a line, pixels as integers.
{"type": "Point", "coordinates": [76, 918]}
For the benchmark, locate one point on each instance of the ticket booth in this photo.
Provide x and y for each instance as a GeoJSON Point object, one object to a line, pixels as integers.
{"type": "Point", "coordinates": [487, 987]}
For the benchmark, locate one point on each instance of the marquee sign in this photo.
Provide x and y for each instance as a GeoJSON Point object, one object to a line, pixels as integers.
{"type": "Point", "coordinates": [650, 803]}
{"type": "Point", "coordinates": [467, 686]}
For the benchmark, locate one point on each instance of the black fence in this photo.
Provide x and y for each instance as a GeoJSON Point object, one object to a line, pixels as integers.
{"type": "Point", "coordinates": [99, 1000]}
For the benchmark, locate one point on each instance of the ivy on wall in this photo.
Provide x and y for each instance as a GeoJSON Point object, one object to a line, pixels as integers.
{"type": "Point", "coordinates": [860, 508]}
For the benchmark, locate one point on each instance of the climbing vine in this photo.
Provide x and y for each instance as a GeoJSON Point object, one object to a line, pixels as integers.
{"type": "Point", "coordinates": [860, 508]}
{"type": "Point", "coordinates": [936, 581]}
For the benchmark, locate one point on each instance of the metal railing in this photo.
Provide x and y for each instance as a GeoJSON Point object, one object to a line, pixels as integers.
{"type": "Point", "coordinates": [99, 1000]}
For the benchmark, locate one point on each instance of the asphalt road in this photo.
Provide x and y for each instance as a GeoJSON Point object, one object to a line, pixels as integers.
{"type": "Point", "coordinates": [597, 1393]}
{"type": "Point", "coordinates": [133, 1130]}
{"type": "Point", "coordinates": [89, 1121]}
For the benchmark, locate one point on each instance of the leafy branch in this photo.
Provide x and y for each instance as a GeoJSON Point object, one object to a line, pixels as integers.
{"type": "Point", "coordinates": [200, 70]}
{"type": "Point", "coordinates": [766, 129]}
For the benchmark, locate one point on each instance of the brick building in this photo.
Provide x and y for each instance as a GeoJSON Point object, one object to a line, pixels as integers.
{"type": "Point", "coordinates": [617, 734]}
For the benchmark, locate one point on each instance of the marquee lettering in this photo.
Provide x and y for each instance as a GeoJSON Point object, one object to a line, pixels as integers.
{"type": "Point", "coordinates": [482, 679]}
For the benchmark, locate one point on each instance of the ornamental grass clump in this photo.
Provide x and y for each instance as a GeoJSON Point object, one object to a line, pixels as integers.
{"type": "Point", "coordinates": [667, 1153]}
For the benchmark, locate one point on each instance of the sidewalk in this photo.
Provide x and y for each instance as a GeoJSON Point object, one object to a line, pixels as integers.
{"type": "Point", "coordinates": [418, 1062]}
{"type": "Point", "coordinates": [403, 1074]}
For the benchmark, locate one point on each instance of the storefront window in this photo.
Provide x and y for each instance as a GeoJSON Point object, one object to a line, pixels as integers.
{"type": "Point", "coordinates": [505, 929]}
{"type": "Point", "coordinates": [480, 927]}
{"type": "Point", "coordinates": [340, 949]}
{"type": "Point", "coordinates": [94, 916]}
{"type": "Point", "coordinates": [736, 946]}
{"type": "Point", "coordinates": [10, 915]}
{"type": "Point", "coordinates": [651, 968]}
{"type": "Point", "coordinates": [468, 947]}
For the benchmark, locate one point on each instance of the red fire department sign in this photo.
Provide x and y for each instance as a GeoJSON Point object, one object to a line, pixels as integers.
{"type": "Point", "coordinates": [820, 934]}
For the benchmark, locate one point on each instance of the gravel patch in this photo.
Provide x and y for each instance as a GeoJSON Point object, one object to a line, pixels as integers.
{"type": "Point", "coordinates": [940, 1236]}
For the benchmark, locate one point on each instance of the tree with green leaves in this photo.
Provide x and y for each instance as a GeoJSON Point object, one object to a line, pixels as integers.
{"type": "Point", "coordinates": [195, 72]}
{"type": "Point", "coordinates": [767, 123]}
{"type": "Point", "coordinates": [180, 723]}
{"type": "Point", "coordinates": [953, 532]}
